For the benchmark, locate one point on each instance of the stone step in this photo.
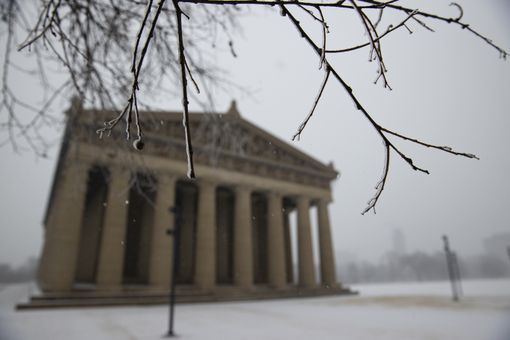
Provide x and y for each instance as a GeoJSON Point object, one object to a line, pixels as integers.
{"type": "Point", "coordinates": [187, 295]}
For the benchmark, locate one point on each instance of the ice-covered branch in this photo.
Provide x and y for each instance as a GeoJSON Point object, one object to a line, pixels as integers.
{"type": "Point", "coordinates": [107, 64]}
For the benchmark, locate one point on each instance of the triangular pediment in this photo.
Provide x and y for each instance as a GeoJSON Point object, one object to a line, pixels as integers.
{"type": "Point", "coordinates": [228, 141]}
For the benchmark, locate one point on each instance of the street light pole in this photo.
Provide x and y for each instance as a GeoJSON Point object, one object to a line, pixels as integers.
{"type": "Point", "coordinates": [453, 270]}
{"type": "Point", "coordinates": [175, 232]}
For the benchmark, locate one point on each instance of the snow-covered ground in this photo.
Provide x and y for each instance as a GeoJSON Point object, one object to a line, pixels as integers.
{"type": "Point", "coordinates": [392, 311]}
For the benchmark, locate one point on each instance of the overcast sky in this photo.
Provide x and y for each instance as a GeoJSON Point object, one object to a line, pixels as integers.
{"type": "Point", "coordinates": [449, 88]}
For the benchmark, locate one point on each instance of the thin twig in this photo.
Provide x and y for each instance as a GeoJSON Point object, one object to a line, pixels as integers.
{"type": "Point", "coordinates": [388, 145]}
{"type": "Point", "coordinates": [310, 114]}
{"type": "Point", "coordinates": [390, 29]}
{"type": "Point", "coordinates": [185, 113]}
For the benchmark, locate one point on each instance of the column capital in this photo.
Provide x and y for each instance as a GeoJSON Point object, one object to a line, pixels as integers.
{"type": "Point", "coordinates": [243, 188]}
{"type": "Point", "coordinates": [321, 200]}
{"type": "Point", "coordinates": [78, 169]}
{"type": "Point", "coordinates": [165, 177]}
{"type": "Point", "coordinates": [303, 200]}
{"type": "Point", "coordinates": [119, 169]}
{"type": "Point", "coordinates": [119, 182]}
{"type": "Point", "coordinates": [275, 194]}
{"type": "Point", "coordinates": [77, 172]}
{"type": "Point", "coordinates": [206, 183]}
{"type": "Point", "coordinates": [77, 163]}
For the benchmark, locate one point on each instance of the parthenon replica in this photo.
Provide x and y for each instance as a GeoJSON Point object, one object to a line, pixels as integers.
{"type": "Point", "coordinates": [106, 237]}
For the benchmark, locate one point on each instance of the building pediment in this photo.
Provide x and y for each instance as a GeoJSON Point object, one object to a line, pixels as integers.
{"type": "Point", "coordinates": [223, 140]}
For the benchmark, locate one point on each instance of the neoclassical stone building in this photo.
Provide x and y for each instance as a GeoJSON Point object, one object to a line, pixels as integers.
{"type": "Point", "coordinates": [105, 230]}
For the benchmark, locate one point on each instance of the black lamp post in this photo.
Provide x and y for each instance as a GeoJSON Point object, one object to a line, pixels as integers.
{"type": "Point", "coordinates": [175, 232]}
{"type": "Point", "coordinates": [453, 269]}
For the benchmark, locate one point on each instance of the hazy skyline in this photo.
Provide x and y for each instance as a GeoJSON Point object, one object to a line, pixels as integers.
{"type": "Point", "coordinates": [449, 88]}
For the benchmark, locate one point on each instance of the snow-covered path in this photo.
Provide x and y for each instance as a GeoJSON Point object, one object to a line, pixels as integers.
{"type": "Point", "coordinates": [396, 312]}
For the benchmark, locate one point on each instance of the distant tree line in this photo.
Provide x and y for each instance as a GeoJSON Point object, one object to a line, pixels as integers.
{"type": "Point", "coordinates": [417, 266]}
{"type": "Point", "coordinates": [23, 273]}
{"type": "Point", "coordinates": [420, 266]}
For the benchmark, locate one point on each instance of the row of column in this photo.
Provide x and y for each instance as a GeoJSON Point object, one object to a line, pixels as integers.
{"type": "Point", "coordinates": [243, 251]}
{"type": "Point", "coordinates": [205, 270]}
{"type": "Point", "coordinates": [59, 256]}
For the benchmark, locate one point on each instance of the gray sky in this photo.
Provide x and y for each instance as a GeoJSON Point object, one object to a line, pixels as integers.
{"type": "Point", "coordinates": [449, 88]}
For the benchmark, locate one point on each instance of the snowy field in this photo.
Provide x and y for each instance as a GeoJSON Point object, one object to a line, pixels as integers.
{"type": "Point", "coordinates": [391, 311]}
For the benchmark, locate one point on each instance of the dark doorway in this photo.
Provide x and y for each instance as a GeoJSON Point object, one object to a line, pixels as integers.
{"type": "Point", "coordinates": [259, 223]}
{"type": "Point", "coordinates": [91, 225]}
{"type": "Point", "coordinates": [186, 203]}
{"type": "Point", "coordinates": [139, 230]}
{"type": "Point", "coordinates": [224, 235]}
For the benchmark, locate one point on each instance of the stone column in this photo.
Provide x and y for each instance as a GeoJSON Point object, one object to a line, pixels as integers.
{"type": "Point", "coordinates": [243, 242]}
{"type": "Point", "coordinates": [205, 257]}
{"type": "Point", "coordinates": [288, 245]}
{"type": "Point", "coordinates": [305, 254]}
{"type": "Point", "coordinates": [276, 241]}
{"type": "Point", "coordinates": [162, 243]}
{"type": "Point", "coordinates": [328, 276]}
{"type": "Point", "coordinates": [111, 257]}
{"type": "Point", "coordinates": [62, 231]}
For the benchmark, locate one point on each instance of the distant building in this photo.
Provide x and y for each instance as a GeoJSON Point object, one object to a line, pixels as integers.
{"type": "Point", "coordinates": [498, 245]}
{"type": "Point", "coordinates": [106, 223]}
{"type": "Point", "coordinates": [398, 242]}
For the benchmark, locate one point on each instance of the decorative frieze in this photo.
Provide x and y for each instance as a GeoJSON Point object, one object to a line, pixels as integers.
{"type": "Point", "coordinates": [232, 144]}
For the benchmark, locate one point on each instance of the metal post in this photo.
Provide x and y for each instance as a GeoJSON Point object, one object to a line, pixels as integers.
{"type": "Point", "coordinates": [175, 260]}
{"type": "Point", "coordinates": [451, 269]}
{"type": "Point", "coordinates": [456, 271]}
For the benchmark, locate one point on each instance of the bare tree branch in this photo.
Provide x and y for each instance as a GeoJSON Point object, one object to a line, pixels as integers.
{"type": "Point", "coordinates": [94, 42]}
{"type": "Point", "coordinates": [323, 85]}
{"type": "Point", "coordinates": [184, 84]}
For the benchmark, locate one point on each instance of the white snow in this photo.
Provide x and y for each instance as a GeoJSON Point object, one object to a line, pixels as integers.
{"type": "Point", "coordinates": [391, 311]}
